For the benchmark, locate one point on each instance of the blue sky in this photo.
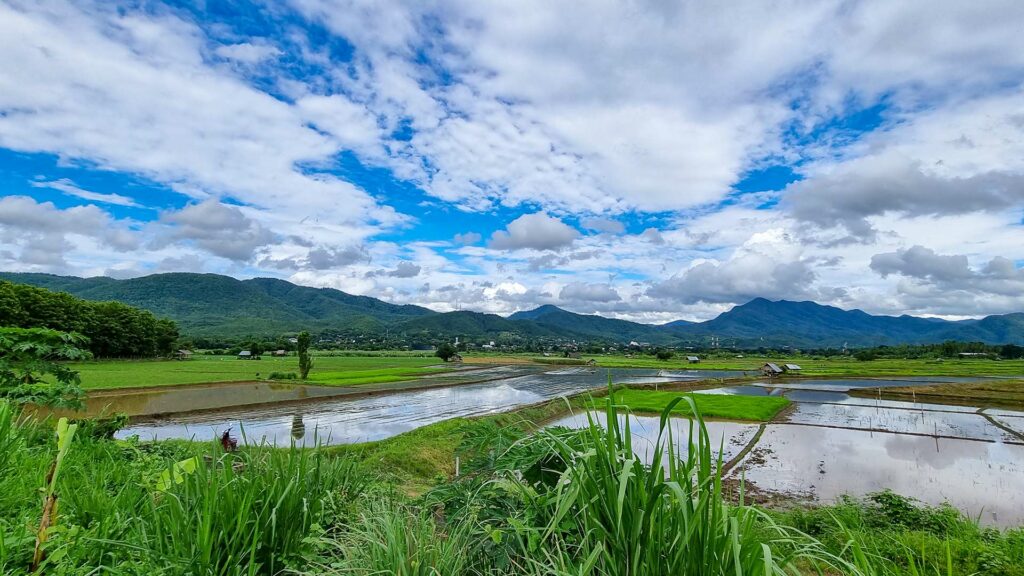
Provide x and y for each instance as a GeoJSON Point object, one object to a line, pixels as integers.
{"type": "Point", "coordinates": [650, 162]}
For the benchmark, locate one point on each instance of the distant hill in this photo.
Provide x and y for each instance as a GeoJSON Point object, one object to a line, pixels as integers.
{"type": "Point", "coordinates": [221, 306]}
{"type": "Point", "coordinates": [592, 326]}
{"type": "Point", "coordinates": [214, 305]}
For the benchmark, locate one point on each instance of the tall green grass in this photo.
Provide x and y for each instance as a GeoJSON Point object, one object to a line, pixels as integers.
{"type": "Point", "coordinates": [248, 512]}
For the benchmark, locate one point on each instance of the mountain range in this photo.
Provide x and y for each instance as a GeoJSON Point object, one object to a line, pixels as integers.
{"type": "Point", "coordinates": [211, 305]}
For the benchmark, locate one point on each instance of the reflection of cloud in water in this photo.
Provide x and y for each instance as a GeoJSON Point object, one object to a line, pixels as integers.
{"type": "Point", "coordinates": [731, 436]}
{"type": "Point", "coordinates": [828, 462]}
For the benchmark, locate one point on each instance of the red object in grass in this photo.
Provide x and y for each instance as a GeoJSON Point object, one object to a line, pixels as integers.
{"type": "Point", "coordinates": [227, 442]}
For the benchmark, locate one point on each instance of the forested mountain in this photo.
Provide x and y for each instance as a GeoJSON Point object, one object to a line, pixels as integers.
{"type": "Point", "coordinates": [586, 325]}
{"type": "Point", "coordinates": [220, 306]}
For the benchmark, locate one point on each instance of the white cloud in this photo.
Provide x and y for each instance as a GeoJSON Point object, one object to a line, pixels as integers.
{"type": "Point", "coordinates": [536, 231]}
{"type": "Point", "coordinates": [68, 187]}
{"type": "Point", "coordinates": [603, 225]}
{"type": "Point", "coordinates": [217, 228]}
{"type": "Point", "coordinates": [248, 52]}
{"type": "Point", "coordinates": [580, 291]}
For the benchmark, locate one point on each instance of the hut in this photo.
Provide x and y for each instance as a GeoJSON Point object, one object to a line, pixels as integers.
{"type": "Point", "coordinates": [770, 369]}
{"type": "Point", "coordinates": [693, 359]}
{"type": "Point", "coordinates": [791, 368]}
{"type": "Point", "coordinates": [182, 354]}
{"type": "Point", "coordinates": [280, 352]}
{"type": "Point", "coordinates": [248, 355]}
{"type": "Point", "coordinates": [456, 358]}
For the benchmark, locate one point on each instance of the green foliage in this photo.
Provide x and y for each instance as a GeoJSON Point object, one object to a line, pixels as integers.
{"type": "Point", "coordinates": [113, 329]}
{"type": "Point", "coordinates": [731, 407]}
{"type": "Point", "coordinates": [250, 512]}
{"type": "Point", "coordinates": [664, 354]}
{"type": "Point", "coordinates": [283, 376]}
{"type": "Point", "coordinates": [31, 371]}
{"type": "Point", "coordinates": [305, 360]}
{"type": "Point", "coordinates": [446, 351]}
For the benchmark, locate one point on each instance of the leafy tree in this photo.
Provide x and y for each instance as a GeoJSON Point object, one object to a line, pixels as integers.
{"type": "Point", "coordinates": [30, 367]}
{"type": "Point", "coordinates": [664, 354]}
{"type": "Point", "coordinates": [445, 351]}
{"type": "Point", "coordinates": [305, 361]}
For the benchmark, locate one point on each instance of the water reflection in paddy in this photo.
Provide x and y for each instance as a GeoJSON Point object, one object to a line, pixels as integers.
{"type": "Point", "coordinates": [345, 420]}
{"type": "Point", "coordinates": [979, 478]}
{"type": "Point", "coordinates": [952, 424]}
{"type": "Point", "coordinates": [731, 436]}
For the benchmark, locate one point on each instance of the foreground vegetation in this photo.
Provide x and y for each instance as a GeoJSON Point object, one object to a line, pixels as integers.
{"type": "Point", "coordinates": [557, 502]}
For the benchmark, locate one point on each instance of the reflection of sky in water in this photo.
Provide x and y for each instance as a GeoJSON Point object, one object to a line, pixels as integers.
{"type": "Point", "coordinates": [1013, 423]}
{"type": "Point", "coordinates": [645, 432]}
{"type": "Point", "coordinates": [843, 398]}
{"type": "Point", "coordinates": [742, 391]}
{"type": "Point", "coordinates": [978, 477]}
{"type": "Point", "coordinates": [958, 425]}
{"type": "Point", "coordinates": [342, 421]}
{"type": "Point", "coordinates": [843, 385]}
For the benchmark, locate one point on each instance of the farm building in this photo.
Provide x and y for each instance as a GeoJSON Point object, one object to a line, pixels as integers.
{"type": "Point", "coordinates": [183, 354]}
{"type": "Point", "coordinates": [791, 368]}
{"type": "Point", "coordinates": [247, 355]}
{"type": "Point", "coordinates": [280, 353]}
{"type": "Point", "coordinates": [771, 369]}
{"type": "Point", "coordinates": [693, 359]}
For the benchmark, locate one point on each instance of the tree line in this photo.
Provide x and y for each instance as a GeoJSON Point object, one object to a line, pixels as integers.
{"type": "Point", "coordinates": [113, 329]}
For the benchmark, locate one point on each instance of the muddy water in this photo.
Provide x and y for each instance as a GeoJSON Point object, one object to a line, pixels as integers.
{"type": "Point", "coordinates": [344, 420]}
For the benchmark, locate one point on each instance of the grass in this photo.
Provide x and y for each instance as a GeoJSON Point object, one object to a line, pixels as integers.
{"type": "Point", "coordinates": [353, 377]}
{"type": "Point", "coordinates": [107, 374]}
{"type": "Point", "coordinates": [725, 406]}
{"type": "Point", "coordinates": [997, 394]}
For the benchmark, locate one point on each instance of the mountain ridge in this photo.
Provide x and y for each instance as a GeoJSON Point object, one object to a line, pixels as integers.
{"type": "Point", "coordinates": [222, 306]}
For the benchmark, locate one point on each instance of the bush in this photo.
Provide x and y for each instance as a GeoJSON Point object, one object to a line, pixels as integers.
{"type": "Point", "coordinates": [283, 376]}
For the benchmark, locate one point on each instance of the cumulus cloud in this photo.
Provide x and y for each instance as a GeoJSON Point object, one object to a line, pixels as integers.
{"type": "Point", "coordinates": [40, 230]}
{"type": "Point", "coordinates": [768, 265]}
{"type": "Point", "coordinates": [405, 269]}
{"type": "Point", "coordinates": [606, 225]}
{"type": "Point", "coordinates": [951, 272]}
{"type": "Point", "coordinates": [218, 228]}
{"type": "Point", "coordinates": [536, 231]}
{"type": "Point", "coordinates": [467, 238]}
{"type": "Point", "coordinates": [324, 257]}
{"type": "Point", "coordinates": [583, 292]}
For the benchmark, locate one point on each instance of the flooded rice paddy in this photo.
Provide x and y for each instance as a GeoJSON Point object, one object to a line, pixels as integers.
{"type": "Point", "coordinates": [831, 444]}
{"type": "Point", "coordinates": [349, 415]}
{"type": "Point", "coordinates": [828, 444]}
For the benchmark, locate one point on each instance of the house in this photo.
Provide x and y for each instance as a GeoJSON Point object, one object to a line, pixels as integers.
{"type": "Point", "coordinates": [455, 358]}
{"type": "Point", "coordinates": [791, 368]}
{"type": "Point", "coordinates": [771, 369]}
{"type": "Point", "coordinates": [693, 359]}
{"type": "Point", "coordinates": [182, 354]}
{"type": "Point", "coordinates": [248, 355]}
{"type": "Point", "coordinates": [280, 353]}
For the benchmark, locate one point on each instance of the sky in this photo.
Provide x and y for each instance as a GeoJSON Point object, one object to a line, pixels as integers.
{"type": "Point", "coordinates": [644, 160]}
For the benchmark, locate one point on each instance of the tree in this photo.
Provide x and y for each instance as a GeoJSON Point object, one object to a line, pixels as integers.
{"type": "Point", "coordinates": [31, 371]}
{"type": "Point", "coordinates": [664, 354]}
{"type": "Point", "coordinates": [445, 351]}
{"type": "Point", "coordinates": [305, 361]}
